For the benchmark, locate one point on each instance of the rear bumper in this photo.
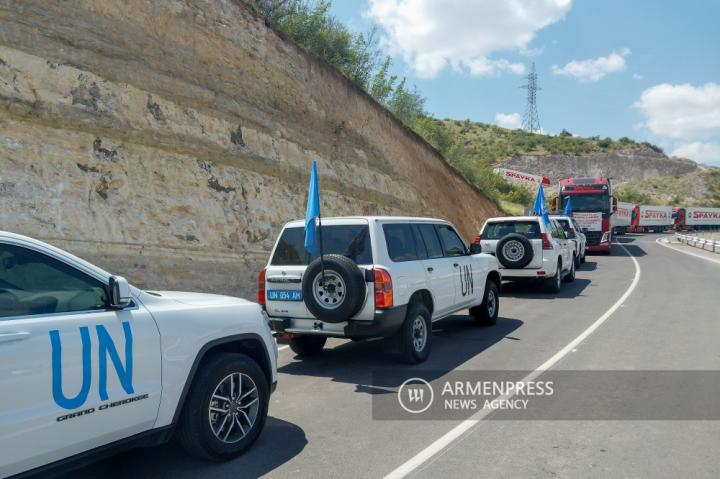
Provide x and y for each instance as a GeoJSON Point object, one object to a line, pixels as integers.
{"type": "Point", "coordinates": [548, 270]}
{"type": "Point", "coordinates": [599, 248]}
{"type": "Point", "coordinates": [385, 323]}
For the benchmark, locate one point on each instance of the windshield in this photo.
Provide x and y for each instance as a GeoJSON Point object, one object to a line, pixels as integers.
{"type": "Point", "coordinates": [595, 202]}
{"type": "Point", "coordinates": [497, 230]}
{"type": "Point", "coordinates": [352, 241]}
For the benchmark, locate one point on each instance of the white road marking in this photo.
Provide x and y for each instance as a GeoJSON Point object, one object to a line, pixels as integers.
{"type": "Point", "coordinates": [280, 348]}
{"type": "Point", "coordinates": [461, 429]}
{"type": "Point", "coordinates": [691, 253]}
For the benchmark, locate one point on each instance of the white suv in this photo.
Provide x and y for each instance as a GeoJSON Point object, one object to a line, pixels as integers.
{"type": "Point", "coordinates": [528, 248]}
{"type": "Point", "coordinates": [574, 234]}
{"type": "Point", "coordinates": [383, 277]}
{"type": "Point", "coordinates": [89, 363]}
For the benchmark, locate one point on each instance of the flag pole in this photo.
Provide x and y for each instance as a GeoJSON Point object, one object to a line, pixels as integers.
{"type": "Point", "coordinates": [322, 261]}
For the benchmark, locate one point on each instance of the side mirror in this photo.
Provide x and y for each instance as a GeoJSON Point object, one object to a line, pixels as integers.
{"type": "Point", "coordinates": [475, 248]}
{"type": "Point", "coordinates": [119, 292]}
{"type": "Point", "coordinates": [554, 203]}
{"type": "Point", "coordinates": [614, 204]}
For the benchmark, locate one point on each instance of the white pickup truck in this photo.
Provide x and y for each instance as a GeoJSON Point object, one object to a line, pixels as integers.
{"type": "Point", "coordinates": [383, 277]}
{"type": "Point", "coordinates": [90, 364]}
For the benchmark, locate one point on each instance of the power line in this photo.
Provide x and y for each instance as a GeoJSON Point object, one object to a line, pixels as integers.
{"type": "Point", "coordinates": [531, 119]}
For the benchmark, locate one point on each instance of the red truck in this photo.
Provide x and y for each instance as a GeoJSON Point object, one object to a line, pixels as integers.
{"type": "Point", "coordinates": [592, 207]}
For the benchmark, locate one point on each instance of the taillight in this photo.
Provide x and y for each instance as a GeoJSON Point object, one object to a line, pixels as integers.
{"type": "Point", "coordinates": [261, 287]}
{"type": "Point", "coordinates": [477, 239]}
{"type": "Point", "coordinates": [546, 241]}
{"type": "Point", "coordinates": [383, 289]}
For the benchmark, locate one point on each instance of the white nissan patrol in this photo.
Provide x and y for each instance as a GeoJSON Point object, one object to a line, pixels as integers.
{"type": "Point", "coordinates": [379, 277]}
{"type": "Point", "coordinates": [528, 248]}
{"type": "Point", "coordinates": [89, 364]}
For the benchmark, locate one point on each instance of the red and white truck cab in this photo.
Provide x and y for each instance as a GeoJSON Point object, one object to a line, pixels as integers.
{"type": "Point", "coordinates": [592, 207]}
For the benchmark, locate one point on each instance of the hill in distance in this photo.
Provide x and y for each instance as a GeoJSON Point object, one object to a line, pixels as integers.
{"type": "Point", "coordinates": [642, 171]}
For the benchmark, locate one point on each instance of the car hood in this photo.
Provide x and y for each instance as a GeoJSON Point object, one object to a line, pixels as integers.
{"type": "Point", "coordinates": [197, 299]}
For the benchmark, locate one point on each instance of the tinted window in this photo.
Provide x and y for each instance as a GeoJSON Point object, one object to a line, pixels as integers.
{"type": "Point", "coordinates": [452, 244]}
{"type": "Point", "coordinates": [496, 230]}
{"type": "Point", "coordinates": [400, 242]}
{"type": "Point", "coordinates": [588, 202]}
{"type": "Point", "coordinates": [566, 226]}
{"type": "Point", "coordinates": [352, 241]}
{"type": "Point", "coordinates": [419, 243]}
{"type": "Point", "coordinates": [431, 241]}
{"type": "Point", "coordinates": [32, 283]}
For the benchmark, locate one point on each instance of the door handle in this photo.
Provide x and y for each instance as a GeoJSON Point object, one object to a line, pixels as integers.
{"type": "Point", "coordinates": [431, 269]}
{"type": "Point", "coordinates": [16, 336]}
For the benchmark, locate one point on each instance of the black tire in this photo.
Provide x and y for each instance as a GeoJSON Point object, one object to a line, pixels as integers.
{"type": "Point", "coordinates": [570, 276]}
{"type": "Point", "coordinates": [307, 345]}
{"type": "Point", "coordinates": [348, 289]}
{"type": "Point", "coordinates": [194, 429]}
{"type": "Point", "coordinates": [578, 261]}
{"type": "Point", "coordinates": [554, 284]}
{"type": "Point", "coordinates": [517, 244]}
{"type": "Point", "coordinates": [406, 336]}
{"type": "Point", "coordinates": [487, 313]}
{"type": "Point", "coordinates": [584, 257]}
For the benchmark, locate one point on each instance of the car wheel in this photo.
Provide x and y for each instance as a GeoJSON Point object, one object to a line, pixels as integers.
{"type": "Point", "coordinates": [570, 276]}
{"type": "Point", "coordinates": [339, 293]}
{"type": "Point", "coordinates": [577, 260]}
{"type": "Point", "coordinates": [226, 408]}
{"type": "Point", "coordinates": [554, 284]}
{"type": "Point", "coordinates": [487, 312]}
{"type": "Point", "coordinates": [308, 345]}
{"type": "Point", "coordinates": [415, 335]}
{"type": "Point", "coordinates": [583, 259]}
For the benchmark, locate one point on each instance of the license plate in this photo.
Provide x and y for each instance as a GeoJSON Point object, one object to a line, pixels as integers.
{"type": "Point", "coordinates": [284, 295]}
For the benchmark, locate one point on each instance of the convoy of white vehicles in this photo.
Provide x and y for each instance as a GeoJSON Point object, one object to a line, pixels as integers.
{"type": "Point", "coordinates": [99, 364]}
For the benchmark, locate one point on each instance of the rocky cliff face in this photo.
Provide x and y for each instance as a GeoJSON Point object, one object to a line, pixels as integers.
{"type": "Point", "coordinates": [632, 164]}
{"type": "Point", "coordinates": [170, 140]}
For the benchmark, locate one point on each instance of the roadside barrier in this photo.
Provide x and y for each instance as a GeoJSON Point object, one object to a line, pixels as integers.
{"type": "Point", "coordinates": [707, 244]}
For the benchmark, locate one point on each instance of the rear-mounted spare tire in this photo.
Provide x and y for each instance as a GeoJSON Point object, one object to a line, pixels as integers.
{"type": "Point", "coordinates": [340, 295]}
{"type": "Point", "coordinates": [514, 251]}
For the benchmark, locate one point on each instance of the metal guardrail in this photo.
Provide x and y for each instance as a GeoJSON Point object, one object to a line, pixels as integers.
{"type": "Point", "coordinates": [707, 244]}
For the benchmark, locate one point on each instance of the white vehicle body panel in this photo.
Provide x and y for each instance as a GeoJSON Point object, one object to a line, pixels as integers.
{"type": "Point", "coordinates": [702, 216]}
{"type": "Point", "coordinates": [622, 215]}
{"type": "Point", "coordinates": [656, 215]}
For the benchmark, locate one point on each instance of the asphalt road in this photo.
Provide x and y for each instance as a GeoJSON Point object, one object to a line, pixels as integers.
{"type": "Point", "coordinates": [321, 424]}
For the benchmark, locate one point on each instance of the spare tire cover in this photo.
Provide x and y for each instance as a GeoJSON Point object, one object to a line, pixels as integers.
{"type": "Point", "coordinates": [514, 251]}
{"type": "Point", "coordinates": [340, 295]}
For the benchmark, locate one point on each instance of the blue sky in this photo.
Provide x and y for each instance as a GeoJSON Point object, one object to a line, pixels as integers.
{"type": "Point", "coordinates": [645, 69]}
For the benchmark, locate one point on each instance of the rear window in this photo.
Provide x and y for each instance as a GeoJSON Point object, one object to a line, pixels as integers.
{"type": "Point", "coordinates": [565, 224]}
{"type": "Point", "coordinates": [496, 230]}
{"type": "Point", "coordinates": [352, 241]}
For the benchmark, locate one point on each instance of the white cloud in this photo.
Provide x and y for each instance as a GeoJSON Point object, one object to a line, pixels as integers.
{"type": "Point", "coordinates": [637, 76]}
{"type": "Point", "coordinates": [510, 120]}
{"type": "Point", "coordinates": [682, 112]}
{"type": "Point", "coordinates": [432, 35]}
{"type": "Point", "coordinates": [708, 153]}
{"type": "Point", "coordinates": [594, 69]}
